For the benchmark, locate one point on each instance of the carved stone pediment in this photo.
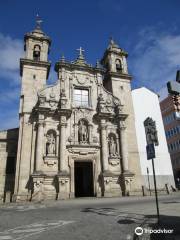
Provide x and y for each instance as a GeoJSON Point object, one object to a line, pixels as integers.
{"type": "Point", "coordinates": [108, 104]}
{"type": "Point", "coordinates": [81, 113]}
{"type": "Point", "coordinates": [49, 97]}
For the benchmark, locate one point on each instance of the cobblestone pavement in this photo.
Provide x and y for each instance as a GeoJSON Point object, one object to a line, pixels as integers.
{"type": "Point", "coordinates": [90, 218]}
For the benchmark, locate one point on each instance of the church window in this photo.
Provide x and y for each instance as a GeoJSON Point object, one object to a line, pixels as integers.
{"type": "Point", "coordinates": [81, 97]}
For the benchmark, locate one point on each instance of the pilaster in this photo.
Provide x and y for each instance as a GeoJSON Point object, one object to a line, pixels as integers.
{"type": "Point", "coordinates": [39, 144]}
{"type": "Point", "coordinates": [124, 147]}
{"type": "Point", "coordinates": [104, 146]}
{"type": "Point", "coordinates": [62, 146]}
{"type": "Point", "coordinates": [63, 185]}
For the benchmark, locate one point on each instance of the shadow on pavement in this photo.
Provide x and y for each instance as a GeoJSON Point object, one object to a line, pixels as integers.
{"type": "Point", "coordinates": [169, 226]}
{"type": "Point", "coordinates": [168, 223]}
{"type": "Point", "coordinates": [171, 202]}
{"type": "Point", "coordinates": [125, 221]}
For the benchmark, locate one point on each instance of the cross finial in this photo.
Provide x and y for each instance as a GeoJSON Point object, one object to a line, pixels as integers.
{"type": "Point", "coordinates": [38, 21]}
{"type": "Point", "coordinates": [62, 58]}
{"type": "Point", "coordinates": [81, 50]}
{"type": "Point", "coordinates": [111, 40]}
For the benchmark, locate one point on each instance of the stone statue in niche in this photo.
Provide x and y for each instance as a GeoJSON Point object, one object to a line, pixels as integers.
{"type": "Point", "coordinates": [83, 132]}
{"type": "Point", "coordinates": [112, 147]}
{"type": "Point", "coordinates": [51, 144]}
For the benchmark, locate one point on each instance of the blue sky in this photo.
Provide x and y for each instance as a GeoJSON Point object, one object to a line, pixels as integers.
{"type": "Point", "coordinates": [148, 30]}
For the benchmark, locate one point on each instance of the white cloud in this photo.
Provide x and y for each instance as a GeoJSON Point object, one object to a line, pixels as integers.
{"type": "Point", "coordinates": [52, 76]}
{"type": "Point", "coordinates": [10, 52]}
{"type": "Point", "coordinates": [11, 49]}
{"type": "Point", "coordinates": [156, 58]}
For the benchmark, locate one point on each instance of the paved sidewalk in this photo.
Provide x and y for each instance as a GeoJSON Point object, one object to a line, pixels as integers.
{"type": "Point", "coordinates": [91, 218]}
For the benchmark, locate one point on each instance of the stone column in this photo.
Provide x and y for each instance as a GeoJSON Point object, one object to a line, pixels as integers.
{"type": "Point", "coordinates": [90, 132]}
{"type": "Point", "coordinates": [39, 146]}
{"type": "Point", "coordinates": [72, 190]}
{"type": "Point", "coordinates": [62, 144]}
{"type": "Point", "coordinates": [76, 133]}
{"type": "Point", "coordinates": [124, 148]}
{"type": "Point", "coordinates": [104, 145]}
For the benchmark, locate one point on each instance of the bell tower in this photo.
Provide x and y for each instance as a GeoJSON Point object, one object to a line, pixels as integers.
{"type": "Point", "coordinates": [114, 59]}
{"type": "Point", "coordinates": [118, 81]}
{"type": "Point", "coordinates": [116, 78]}
{"type": "Point", "coordinates": [34, 67]}
{"type": "Point", "coordinates": [34, 71]}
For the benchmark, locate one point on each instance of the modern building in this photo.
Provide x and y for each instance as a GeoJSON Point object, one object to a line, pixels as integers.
{"type": "Point", "coordinates": [146, 105]}
{"type": "Point", "coordinates": [76, 137]}
{"type": "Point", "coordinates": [170, 108]}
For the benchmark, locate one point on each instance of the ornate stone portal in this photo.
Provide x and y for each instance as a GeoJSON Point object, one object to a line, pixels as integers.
{"type": "Point", "coordinates": [83, 118]}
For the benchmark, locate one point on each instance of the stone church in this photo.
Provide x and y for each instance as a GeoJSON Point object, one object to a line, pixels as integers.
{"type": "Point", "coordinates": [76, 138]}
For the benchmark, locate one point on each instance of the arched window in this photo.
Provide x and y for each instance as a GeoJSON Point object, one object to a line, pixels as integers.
{"type": "Point", "coordinates": [118, 65]}
{"type": "Point", "coordinates": [51, 142]}
{"type": "Point", "coordinates": [36, 53]}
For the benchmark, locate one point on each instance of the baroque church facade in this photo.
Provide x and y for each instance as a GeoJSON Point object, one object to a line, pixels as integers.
{"type": "Point", "coordinates": [76, 138]}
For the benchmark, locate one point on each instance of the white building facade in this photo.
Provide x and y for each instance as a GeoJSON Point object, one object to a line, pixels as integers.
{"type": "Point", "coordinates": [146, 104]}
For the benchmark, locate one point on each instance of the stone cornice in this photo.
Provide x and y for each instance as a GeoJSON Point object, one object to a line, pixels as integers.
{"type": "Point", "coordinates": [86, 149]}
{"type": "Point", "coordinates": [118, 51]}
{"type": "Point", "coordinates": [109, 174]}
{"type": "Point", "coordinates": [30, 62]}
{"type": "Point", "coordinates": [41, 109]}
{"type": "Point", "coordinates": [64, 112]}
{"type": "Point", "coordinates": [74, 66]}
{"type": "Point", "coordinates": [83, 146]}
{"type": "Point", "coordinates": [118, 75]}
{"type": "Point", "coordinates": [106, 115]}
{"type": "Point", "coordinates": [35, 37]}
{"type": "Point", "coordinates": [63, 174]}
{"type": "Point", "coordinates": [122, 116]}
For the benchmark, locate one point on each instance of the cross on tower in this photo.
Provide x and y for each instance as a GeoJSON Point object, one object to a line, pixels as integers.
{"type": "Point", "coordinates": [111, 40]}
{"type": "Point", "coordinates": [38, 22]}
{"type": "Point", "coordinates": [81, 50]}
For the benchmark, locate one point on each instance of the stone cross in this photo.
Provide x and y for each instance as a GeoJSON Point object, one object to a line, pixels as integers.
{"type": "Point", "coordinates": [38, 21]}
{"type": "Point", "coordinates": [81, 50]}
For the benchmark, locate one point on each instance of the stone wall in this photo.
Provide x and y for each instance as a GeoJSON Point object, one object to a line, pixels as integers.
{"type": "Point", "coordinates": [8, 151]}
